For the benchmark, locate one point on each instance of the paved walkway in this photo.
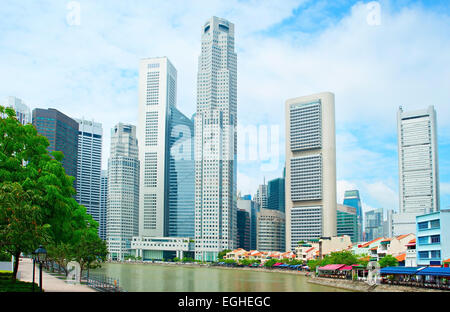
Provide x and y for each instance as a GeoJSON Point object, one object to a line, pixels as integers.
{"type": "Point", "coordinates": [50, 283]}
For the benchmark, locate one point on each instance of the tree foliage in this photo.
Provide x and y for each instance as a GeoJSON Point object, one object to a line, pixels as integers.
{"type": "Point", "coordinates": [37, 204]}
{"type": "Point", "coordinates": [388, 261]}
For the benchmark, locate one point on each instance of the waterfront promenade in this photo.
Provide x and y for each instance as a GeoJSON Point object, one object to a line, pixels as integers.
{"type": "Point", "coordinates": [50, 283]}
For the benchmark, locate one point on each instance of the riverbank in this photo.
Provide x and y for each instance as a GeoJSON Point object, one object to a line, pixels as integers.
{"type": "Point", "coordinates": [364, 287]}
{"type": "Point", "coordinates": [49, 283]}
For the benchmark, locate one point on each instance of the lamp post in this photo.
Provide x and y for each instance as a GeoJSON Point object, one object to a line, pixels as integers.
{"type": "Point", "coordinates": [41, 255]}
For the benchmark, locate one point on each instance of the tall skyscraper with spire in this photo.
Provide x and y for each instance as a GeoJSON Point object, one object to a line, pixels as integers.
{"type": "Point", "coordinates": [216, 141]}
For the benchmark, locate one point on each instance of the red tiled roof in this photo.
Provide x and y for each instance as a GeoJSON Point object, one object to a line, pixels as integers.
{"type": "Point", "coordinates": [372, 241]}
{"type": "Point", "coordinates": [386, 240]}
{"type": "Point", "coordinates": [402, 236]}
{"type": "Point", "coordinates": [448, 260]}
{"type": "Point", "coordinates": [309, 249]}
{"type": "Point", "coordinates": [401, 257]}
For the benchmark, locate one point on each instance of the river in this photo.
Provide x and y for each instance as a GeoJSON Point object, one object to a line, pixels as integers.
{"type": "Point", "coordinates": [179, 278]}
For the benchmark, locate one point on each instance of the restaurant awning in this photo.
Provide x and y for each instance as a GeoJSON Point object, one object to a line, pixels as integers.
{"type": "Point", "coordinates": [331, 267]}
{"type": "Point", "coordinates": [346, 268]}
{"type": "Point", "coordinates": [401, 270]}
{"type": "Point", "coordinates": [435, 271]}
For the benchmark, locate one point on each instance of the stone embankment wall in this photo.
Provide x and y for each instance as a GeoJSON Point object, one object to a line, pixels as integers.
{"type": "Point", "coordinates": [364, 287]}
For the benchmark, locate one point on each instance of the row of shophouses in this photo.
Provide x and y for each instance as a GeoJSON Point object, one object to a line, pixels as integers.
{"type": "Point", "coordinates": [402, 247]}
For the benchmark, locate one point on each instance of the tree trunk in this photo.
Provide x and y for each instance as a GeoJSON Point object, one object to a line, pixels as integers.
{"type": "Point", "coordinates": [16, 264]}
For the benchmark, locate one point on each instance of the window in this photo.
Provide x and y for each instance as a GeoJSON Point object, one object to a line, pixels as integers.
{"type": "Point", "coordinates": [423, 254]}
{"type": "Point", "coordinates": [423, 240]}
{"type": "Point", "coordinates": [435, 239]}
{"type": "Point", "coordinates": [423, 225]}
{"type": "Point", "coordinates": [435, 224]}
{"type": "Point", "coordinates": [435, 254]}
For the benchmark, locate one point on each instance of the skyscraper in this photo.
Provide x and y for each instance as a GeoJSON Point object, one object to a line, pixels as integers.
{"type": "Point", "coordinates": [374, 224]}
{"type": "Point", "coordinates": [261, 196]}
{"type": "Point", "coordinates": [216, 141]}
{"type": "Point", "coordinates": [103, 203]}
{"type": "Point", "coordinates": [166, 154]}
{"type": "Point", "coordinates": [122, 216]}
{"type": "Point", "coordinates": [23, 112]}
{"type": "Point", "coordinates": [418, 167]}
{"type": "Point", "coordinates": [271, 230]}
{"type": "Point", "coordinates": [352, 199]}
{"type": "Point", "coordinates": [310, 168]}
{"type": "Point", "coordinates": [276, 199]}
{"type": "Point", "coordinates": [246, 203]}
{"type": "Point", "coordinates": [89, 166]}
{"type": "Point", "coordinates": [62, 134]}
{"type": "Point", "coordinates": [181, 176]}
{"type": "Point", "coordinates": [243, 229]}
{"type": "Point", "coordinates": [347, 222]}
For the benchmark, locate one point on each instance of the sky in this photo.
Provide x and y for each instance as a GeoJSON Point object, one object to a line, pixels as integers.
{"type": "Point", "coordinates": [81, 57]}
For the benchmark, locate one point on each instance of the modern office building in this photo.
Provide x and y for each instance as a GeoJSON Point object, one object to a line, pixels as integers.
{"type": "Point", "coordinates": [374, 224]}
{"type": "Point", "coordinates": [216, 141]}
{"type": "Point", "coordinates": [276, 199]}
{"type": "Point", "coordinates": [23, 112]}
{"type": "Point", "coordinates": [89, 167]}
{"type": "Point", "coordinates": [352, 199]}
{"type": "Point", "coordinates": [62, 134]}
{"type": "Point", "coordinates": [122, 216]}
{"type": "Point", "coordinates": [418, 167]}
{"type": "Point", "coordinates": [167, 184]}
{"type": "Point", "coordinates": [103, 203]}
{"type": "Point", "coordinates": [243, 229]}
{"type": "Point", "coordinates": [433, 238]}
{"type": "Point", "coordinates": [246, 203]}
{"type": "Point", "coordinates": [347, 222]}
{"type": "Point", "coordinates": [261, 196]}
{"type": "Point", "coordinates": [310, 168]}
{"type": "Point", "coordinates": [388, 229]}
{"type": "Point", "coordinates": [271, 231]}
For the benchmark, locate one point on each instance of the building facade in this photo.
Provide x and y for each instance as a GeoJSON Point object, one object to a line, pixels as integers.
{"type": "Point", "coordinates": [89, 167]}
{"type": "Point", "coordinates": [216, 141]}
{"type": "Point", "coordinates": [243, 229]}
{"type": "Point", "coordinates": [271, 231]}
{"type": "Point", "coordinates": [374, 224]}
{"type": "Point", "coordinates": [347, 222]}
{"type": "Point", "coordinates": [103, 203]}
{"type": "Point", "coordinates": [352, 199]}
{"type": "Point", "coordinates": [276, 199]}
{"type": "Point", "coordinates": [433, 238]}
{"type": "Point", "coordinates": [261, 196]}
{"type": "Point", "coordinates": [246, 203]}
{"type": "Point", "coordinates": [62, 134]}
{"type": "Point", "coordinates": [23, 112]}
{"type": "Point", "coordinates": [310, 168]}
{"type": "Point", "coordinates": [122, 217]}
{"type": "Point", "coordinates": [418, 167]}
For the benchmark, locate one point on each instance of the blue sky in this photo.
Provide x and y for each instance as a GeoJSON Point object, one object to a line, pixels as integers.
{"type": "Point", "coordinates": [285, 49]}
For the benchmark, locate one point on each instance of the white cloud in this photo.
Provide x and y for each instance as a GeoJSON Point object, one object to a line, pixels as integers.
{"type": "Point", "coordinates": [91, 69]}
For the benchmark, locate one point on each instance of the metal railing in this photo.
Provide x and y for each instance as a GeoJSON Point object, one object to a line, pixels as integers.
{"type": "Point", "coordinates": [102, 283]}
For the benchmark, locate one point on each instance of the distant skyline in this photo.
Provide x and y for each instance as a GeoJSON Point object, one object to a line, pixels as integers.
{"type": "Point", "coordinates": [88, 67]}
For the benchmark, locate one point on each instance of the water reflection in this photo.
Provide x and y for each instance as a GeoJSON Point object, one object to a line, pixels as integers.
{"type": "Point", "coordinates": [156, 278]}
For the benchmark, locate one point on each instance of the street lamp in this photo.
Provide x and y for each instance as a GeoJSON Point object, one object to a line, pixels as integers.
{"type": "Point", "coordinates": [40, 255]}
{"type": "Point", "coordinates": [33, 256]}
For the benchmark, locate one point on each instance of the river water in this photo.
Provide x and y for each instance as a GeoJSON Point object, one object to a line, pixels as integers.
{"type": "Point", "coordinates": [179, 278]}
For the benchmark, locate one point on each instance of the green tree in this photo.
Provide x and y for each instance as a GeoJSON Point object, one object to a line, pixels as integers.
{"type": "Point", "coordinates": [388, 261]}
{"type": "Point", "coordinates": [270, 263]}
{"type": "Point", "coordinates": [89, 250]}
{"type": "Point", "coordinates": [61, 254]}
{"type": "Point", "coordinates": [21, 227]}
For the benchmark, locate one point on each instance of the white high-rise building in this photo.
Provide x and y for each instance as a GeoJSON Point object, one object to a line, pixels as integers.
{"type": "Point", "coordinates": [216, 141]}
{"type": "Point", "coordinates": [418, 168]}
{"type": "Point", "coordinates": [122, 215]}
{"type": "Point", "coordinates": [23, 112]}
{"type": "Point", "coordinates": [157, 96]}
{"type": "Point", "coordinates": [261, 196]}
{"type": "Point", "coordinates": [89, 166]}
{"type": "Point", "coordinates": [103, 203]}
{"type": "Point", "coordinates": [310, 168]}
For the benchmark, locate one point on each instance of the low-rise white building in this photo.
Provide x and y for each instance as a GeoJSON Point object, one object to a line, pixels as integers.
{"type": "Point", "coordinates": [158, 248]}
